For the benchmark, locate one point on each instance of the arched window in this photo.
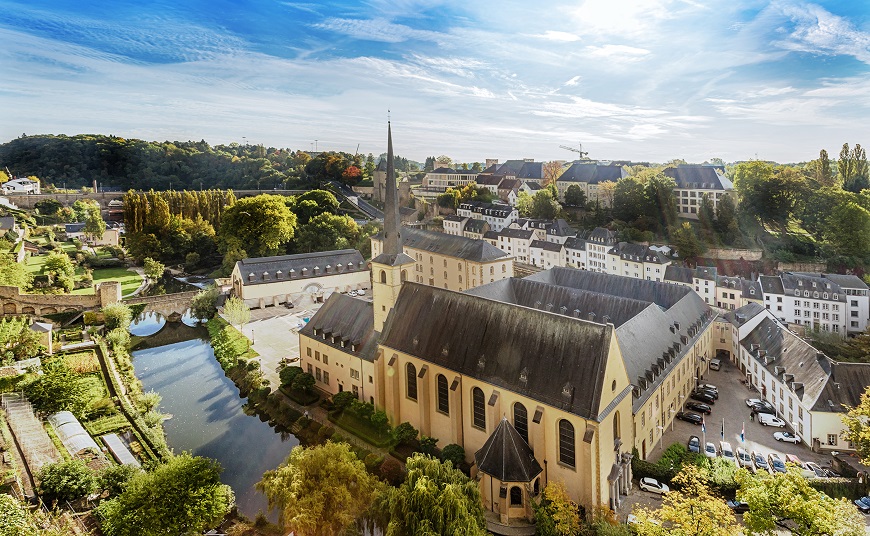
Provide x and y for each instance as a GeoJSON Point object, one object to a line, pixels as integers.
{"type": "Point", "coordinates": [536, 488]}
{"type": "Point", "coordinates": [521, 421]}
{"type": "Point", "coordinates": [516, 496]}
{"type": "Point", "coordinates": [616, 434]}
{"type": "Point", "coordinates": [383, 277]}
{"type": "Point", "coordinates": [411, 372]}
{"type": "Point", "coordinates": [566, 443]}
{"type": "Point", "coordinates": [443, 395]}
{"type": "Point", "coordinates": [404, 276]}
{"type": "Point", "coordinates": [478, 409]}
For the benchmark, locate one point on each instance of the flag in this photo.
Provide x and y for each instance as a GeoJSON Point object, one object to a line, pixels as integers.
{"type": "Point", "coordinates": [722, 432]}
{"type": "Point", "coordinates": [743, 433]}
{"type": "Point", "coordinates": [703, 425]}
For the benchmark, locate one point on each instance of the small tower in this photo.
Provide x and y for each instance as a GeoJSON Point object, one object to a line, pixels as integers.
{"type": "Point", "coordinates": [390, 268]}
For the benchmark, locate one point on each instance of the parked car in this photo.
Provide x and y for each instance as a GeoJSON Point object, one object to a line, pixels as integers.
{"type": "Point", "coordinates": [699, 407]}
{"type": "Point", "coordinates": [764, 407]}
{"type": "Point", "coordinates": [744, 459]}
{"type": "Point", "coordinates": [817, 470]}
{"type": "Point", "coordinates": [711, 392]}
{"type": "Point", "coordinates": [361, 292]}
{"type": "Point", "coordinates": [710, 450]}
{"type": "Point", "coordinates": [352, 293]}
{"type": "Point", "coordinates": [688, 416]}
{"type": "Point", "coordinates": [289, 305]}
{"type": "Point", "coordinates": [775, 463]}
{"type": "Point", "coordinates": [715, 364]}
{"type": "Point", "coordinates": [787, 437]}
{"type": "Point", "coordinates": [708, 387]}
{"type": "Point", "coordinates": [863, 504]}
{"type": "Point", "coordinates": [738, 507]}
{"type": "Point", "coordinates": [767, 419]}
{"type": "Point", "coordinates": [703, 396]}
{"type": "Point", "coordinates": [759, 462]}
{"type": "Point", "coordinates": [653, 486]}
{"type": "Point", "coordinates": [694, 444]}
{"type": "Point", "coordinates": [727, 452]}
{"type": "Point", "coordinates": [753, 401]}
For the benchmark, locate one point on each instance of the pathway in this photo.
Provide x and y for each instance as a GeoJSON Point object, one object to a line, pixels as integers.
{"type": "Point", "coordinates": [142, 286]}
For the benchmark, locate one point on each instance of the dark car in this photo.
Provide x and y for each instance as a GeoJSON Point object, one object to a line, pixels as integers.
{"type": "Point", "coordinates": [699, 407]}
{"type": "Point", "coordinates": [703, 396]}
{"type": "Point", "coordinates": [863, 504]}
{"type": "Point", "coordinates": [688, 416]}
{"type": "Point", "coordinates": [694, 444]}
{"type": "Point", "coordinates": [712, 392]}
{"type": "Point", "coordinates": [738, 507]}
{"type": "Point", "coordinates": [765, 407]}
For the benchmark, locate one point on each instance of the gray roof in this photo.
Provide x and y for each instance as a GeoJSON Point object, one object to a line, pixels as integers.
{"type": "Point", "coordinates": [531, 170]}
{"type": "Point", "coordinates": [788, 282]}
{"type": "Point", "coordinates": [843, 280]}
{"type": "Point", "coordinates": [591, 173]}
{"type": "Point", "coordinates": [575, 243]}
{"type": "Point", "coordinates": [638, 253]}
{"type": "Point", "coordinates": [560, 227]}
{"type": "Point", "coordinates": [746, 286]}
{"type": "Point", "coordinates": [510, 184]}
{"type": "Point", "coordinates": [488, 180]}
{"type": "Point", "coordinates": [771, 284]}
{"type": "Point", "coordinates": [454, 217]}
{"type": "Point", "coordinates": [453, 171]}
{"type": "Point", "coordinates": [506, 456]}
{"type": "Point", "coordinates": [744, 314]}
{"type": "Point", "coordinates": [680, 274]}
{"type": "Point", "coordinates": [74, 227]}
{"type": "Point", "coordinates": [547, 246]}
{"type": "Point", "coordinates": [524, 234]}
{"type": "Point", "coordinates": [534, 186]}
{"type": "Point", "coordinates": [302, 266]}
{"type": "Point", "coordinates": [345, 320]}
{"type": "Point", "coordinates": [600, 235]}
{"type": "Point", "coordinates": [451, 245]}
{"type": "Point", "coordinates": [706, 272]}
{"type": "Point", "coordinates": [846, 384]}
{"type": "Point", "coordinates": [698, 177]}
{"type": "Point", "coordinates": [8, 222]}
{"type": "Point", "coordinates": [475, 226]}
{"type": "Point", "coordinates": [526, 351]}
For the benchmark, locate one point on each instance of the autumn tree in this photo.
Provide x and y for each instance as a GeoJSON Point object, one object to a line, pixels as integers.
{"type": "Point", "coordinates": [551, 171]}
{"type": "Point", "coordinates": [320, 491]}
{"type": "Point", "coordinates": [857, 421]}
{"type": "Point", "coordinates": [556, 514]}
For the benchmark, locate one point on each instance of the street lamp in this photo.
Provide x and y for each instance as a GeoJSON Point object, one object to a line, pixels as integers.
{"type": "Point", "coordinates": [672, 419]}
{"type": "Point", "coordinates": [662, 436]}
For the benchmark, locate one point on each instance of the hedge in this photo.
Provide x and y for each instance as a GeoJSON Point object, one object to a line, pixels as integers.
{"type": "Point", "coordinates": [849, 488]}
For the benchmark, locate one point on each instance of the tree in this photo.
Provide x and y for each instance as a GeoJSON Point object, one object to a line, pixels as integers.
{"type": "Point", "coordinates": [17, 340]}
{"type": "Point", "coordinates": [544, 206]}
{"type": "Point", "coordinates": [288, 374]}
{"type": "Point", "coordinates": [859, 179]}
{"type": "Point", "coordinates": [13, 273]}
{"type": "Point", "coordinates": [686, 242]}
{"type": "Point", "coordinates": [690, 510]}
{"type": "Point", "coordinates": [787, 502]}
{"type": "Point", "coordinates": [443, 161]}
{"type": "Point", "coordinates": [767, 193]}
{"type": "Point", "coordinates": [707, 218]}
{"type": "Point", "coordinates": [57, 389]}
{"type": "Point", "coordinates": [435, 498]}
{"type": "Point", "coordinates": [117, 315]}
{"type": "Point", "coordinates": [454, 454]}
{"type": "Point", "coordinates": [115, 478]}
{"type": "Point", "coordinates": [405, 433]}
{"type": "Point", "coordinates": [816, 207]}
{"type": "Point", "coordinates": [327, 232]}
{"type": "Point", "coordinates": [65, 481]}
{"type": "Point", "coordinates": [551, 171]}
{"type": "Point", "coordinates": [203, 307]}
{"type": "Point", "coordinates": [629, 200]}
{"type": "Point", "coordinates": [857, 421]}
{"type": "Point", "coordinates": [183, 496]}
{"type": "Point", "coordinates": [94, 227]}
{"type": "Point", "coordinates": [303, 382]}
{"type": "Point", "coordinates": [556, 514]}
{"type": "Point", "coordinates": [236, 311]}
{"type": "Point", "coordinates": [153, 269]}
{"type": "Point", "coordinates": [848, 229]}
{"type": "Point", "coordinates": [60, 270]}
{"type": "Point", "coordinates": [48, 207]}
{"type": "Point", "coordinates": [821, 171]}
{"type": "Point", "coordinates": [259, 225]}
{"type": "Point", "coordinates": [321, 490]}
{"type": "Point", "coordinates": [575, 196]}
{"type": "Point", "coordinates": [661, 205]}
{"type": "Point", "coordinates": [606, 193]}
{"type": "Point", "coordinates": [313, 203]}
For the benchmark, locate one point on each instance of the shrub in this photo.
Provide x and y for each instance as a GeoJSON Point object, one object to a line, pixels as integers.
{"type": "Point", "coordinates": [391, 471]}
{"type": "Point", "coordinates": [427, 444]}
{"type": "Point", "coordinates": [342, 400]}
{"type": "Point", "coordinates": [117, 315]}
{"type": "Point", "coordinates": [373, 462]}
{"type": "Point", "coordinates": [65, 481]}
{"type": "Point", "coordinates": [363, 410]}
{"type": "Point", "coordinates": [303, 382]}
{"type": "Point", "coordinates": [380, 420]}
{"type": "Point", "coordinates": [405, 433]}
{"type": "Point", "coordinates": [288, 374]}
{"type": "Point", "coordinates": [453, 453]}
{"type": "Point", "coordinates": [325, 432]}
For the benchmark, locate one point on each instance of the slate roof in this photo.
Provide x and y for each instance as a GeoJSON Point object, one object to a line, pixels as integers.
{"type": "Point", "coordinates": [348, 320]}
{"type": "Point", "coordinates": [745, 286]}
{"type": "Point", "coordinates": [531, 170]}
{"type": "Point", "coordinates": [591, 173]}
{"type": "Point", "coordinates": [8, 222]}
{"type": "Point", "coordinates": [698, 177]}
{"type": "Point", "coordinates": [575, 243]}
{"type": "Point", "coordinates": [546, 246]}
{"type": "Point", "coordinates": [475, 226]}
{"type": "Point", "coordinates": [488, 180]}
{"type": "Point", "coordinates": [788, 282]}
{"type": "Point", "coordinates": [510, 167]}
{"type": "Point", "coordinates": [846, 384]}
{"type": "Point", "coordinates": [450, 245]}
{"type": "Point", "coordinates": [560, 227]}
{"type": "Point", "coordinates": [506, 456]}
{"type": "Point", "coordinates": [679, 274]}
{"type": "Point", "coordinates": [523, 350]}
{"type": "Point", "coordinates": [495, 209]}
{"type": "Point", "coordinates": [510, 184]}
{"type": "Point", "coordinates": [600, 235]}
{"type": "Point", "coordinates": [454, 217]}
{"type": "Point", "coordinates": [267, 270]}
{"type": "Point", "coordinates": [523, 234]}
{"type": "Point", "coordinates": [70, 228]}
{"type": "Point", "coordinates": [744, 314]}
{"type": "Point", "coordinates": [842, 280]}
{"type": "Point", "coordinates": [491, 235]}
{"type": "Point", "coordinates": [661, 294]}
{"type": "Point", "coordinates": [708, 273]}
{"type": "Point", "coordinates": [534, 186]}
{"type": "Point", "coordinates": [638, 253]}
{"type": "Point", "coordinates": [771, 284]}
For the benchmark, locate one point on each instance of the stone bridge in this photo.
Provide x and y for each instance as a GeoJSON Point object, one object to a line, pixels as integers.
{"type": "Point", "coordinates": [170, 306]}
{"type": "Point", "coordinates": [13, 302]}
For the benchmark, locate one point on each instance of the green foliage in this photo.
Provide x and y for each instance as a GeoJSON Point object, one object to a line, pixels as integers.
{"type": "Point", "coordinates": [454, 454]}
{"type": "Point", "coordinates": [629, 200]}
{"type": "Point", "coordinates": [686, 242]}
{"type": "Point", "coordinates": [17, 340]}
{"type": "Point", "coordinates": [544, 206]}
{"type": "Point", "coordinates": [202, 306]}
{"type": "Point", "coordinates": [575, 196]}
{"type": "Point", "coordinates": [320, 490]}
{"type": "Point", "coordinates": [556, 514]}
{"type": "Point", "coordinates": [848, 229]}
{"type": "Point", "coordinates": [313, 203]}
{"type": "Point", "coordinates": [153, 269]}
{"type": "Point", "coordinates": [327, 232]}
{"type": "Point", "coordinates": [857, 421]}
{"type": "Point", "coordinates": [341, 400]}
{"type": "Point", "coordinates": [13, 273]}
{"type": "Point", "coordinates": [435, 499]}
{"type": "Point", "coordinates": [303, 382]}
{"type": "Point", "coordinates": [57, 389]}
{"type": "Point", "coordinates": [524, 204]}
{"type": "Point", "coordinates": [61, 270]}
{"type": "Point", "coordinates": [182, 496]}
{"type": "Point", "coordinates": [48, 207]}
{"type": "Point", "coordinates": [260, 225]}
{"type": "Point", "coordinates": [236, 312]}
{"type": "Point", "coordinates": [288, 374]}
{"type": "Point", "coordinates": [115, 478]}
{"type": "Point", "coordinates": [65, 481]}
{"type": "Point", "coordinates": [15, 519]}
{"type": "Point", "coordinates": [405, 433]}
{"type": "Point", "coordinates": [117, 315]}
{"type": "Point", "coordinates": [94, 225]}
{"type": "Point", "coordinates": [380, 420]}
{"type": "Point", "coordinates": [427, 444]}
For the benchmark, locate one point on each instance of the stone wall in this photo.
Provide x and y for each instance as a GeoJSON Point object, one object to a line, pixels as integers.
{"type": "Point", "coordinates": [13, 302]}
{"type": "Point", "coordinates": [734, 254]}
{"type": "Point", "coordinates": [815, 267]}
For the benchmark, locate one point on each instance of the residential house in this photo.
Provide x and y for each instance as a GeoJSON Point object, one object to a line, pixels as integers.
{"type": "Point", "coordinates": [857, 306]}
{"type": "Point", "coordinates": [807, 300]}
{"type": "Point", "coordinates": [695, 181]}
{"type": "Point", "coordinates": [475, 229]}
{"type": "Point", "coordinates": [546, 254]}
{"type": "Point", "coordinates": [734, 292]}
{"type": "Point", "coordinates": [589, 176]}
{"type": "Point", "coordinates": [455, 225]}
{"type": "Point", "coordinates": [517, 242]}
{"type": "Point", "coordinates": [599, 242]}
{"type": "Point", "coordinates": [636, 260]}
{"type": "Point", "coordinates": [575, 253]}
{"type": "Point", "coordinates": [20, 186]}
{"type": "Point", "coordinates": [498, 216]}
{"type": "Point", "coordinates": [702, 279]}
{"type": "Point", "coordinates": [508, 189]}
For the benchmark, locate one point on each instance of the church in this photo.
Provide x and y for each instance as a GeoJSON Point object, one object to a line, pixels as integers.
{"type": "Point", "coordinates": [557, 376]}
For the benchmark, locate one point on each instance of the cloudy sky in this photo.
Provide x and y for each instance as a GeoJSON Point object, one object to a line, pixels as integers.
{"type": "Point", "coordinates": [629, 79]}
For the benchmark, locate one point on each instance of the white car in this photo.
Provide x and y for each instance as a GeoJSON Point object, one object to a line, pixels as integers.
{"type": "Point", "coordinates": [352, 293]}
{"type": "Point", "coordinates": [653, 486]}
{"type": "Point", "coordinates": [744, 459]}
{"type": "Point", "coordinates": [788, 437]}
{"type": "Point", "coordinates": [769, 420]}
{"type": "Point", "coordinates": [361, 292]}
{"type": "Point", "coordinates": [753, 401]}
{"type": "Point", "coordinates": [710, 450]}
{"type": "Point", "coordinates": [708, 386]}
{"type": "Point", "coordinates": [727, 452]}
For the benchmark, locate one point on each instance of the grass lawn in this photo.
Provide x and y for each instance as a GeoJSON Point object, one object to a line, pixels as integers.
{"type": "Point", "coordinates": [34, 264]}
{"type": "Point", "coordinates": [130, 281]}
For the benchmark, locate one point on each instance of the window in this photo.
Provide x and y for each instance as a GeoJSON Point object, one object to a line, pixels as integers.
{"type": "Point", "coordinates": [832, 440]}
{"type": "Point", "coordinates": [310, 369]}
{"type": "Point", "coordinates": [383, 277]}
{"type": "Point", "coordinates": [566, 442]}
{"type": "Point", "coordinates": [325, 359]}
{"type": "Point", "coordinates": [516, 496]}
{"type": "Point", "coordinates": [318, 375]}
{"type": "Point", "coordinates": [317, 356]}
{"type": "Point", "coordinates": [521, 421]}
{"type": "Point", "coordinates": [354, 374]}
{"type": "Point", "coordinates": [411, 381]}
{"type": "Point", "coordinates": [326, 377]}
{"type": "Point", "coordinates": [443, 395]}
{"type": "Point", "coordinates": [478, 409]}
{"type": "Point", "coordinates": [308, 351]}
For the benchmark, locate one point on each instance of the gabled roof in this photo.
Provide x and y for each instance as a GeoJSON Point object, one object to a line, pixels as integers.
{"type": "Point", "coordinates": [523, 234]}
{"type": "Point", "coordinates": [510, 167]}
{"type": "Point", "coordinates": [347, 320]}
{"type": "Point", "coordinates": [679, 274]}
{"type": "Point", "coordinates": [698, 178]}
{"type": "Point", "coordinates": [459, 247]}
{"type": "Point", "coordinates": [510, 184]}
{"type": "Point", "coordinates": [491, 235]}
{"type": "Point", "coordinates": [843, 280]}
{"type": "Point", "coordinates": [523, 350]}
{"type": "Point", "coordinates": [771, 284]}
{"type": "Point", "coordinates": [546, 246]}
{"type": "Point", "coordinates": [475, 226]}
{"type": "Point", "coordinates": [74, 227]}
{"type": "Point", "coordinates": [744, 314]}
{"type": "Point", "coordinates": [506, 456]}
{"type": "Point", "coordinates": [264, 270]}
{"type": "Point", "coordinates": [638, 253]}
{"type": "Point", "coordinates": [575, 243]}
{"type": "Point", "coordinates": [603, 236]}
{"type": "Point", "coordinates": [591, 173]}
{"type": "Point", "coordinates": [846, 384]}
{"type": "Point", "coordinates": [533, 186]}
{"type": "Point", "coordinates": [531, 170]}
{"type": "Point", "coordinates": [488, 180]}
{"type": "Point", "coordinates": [560, 227]}
{"type": "Point", "coordinates": [454, 217]}
{"type": "Point", "coordinates": [706, 272]}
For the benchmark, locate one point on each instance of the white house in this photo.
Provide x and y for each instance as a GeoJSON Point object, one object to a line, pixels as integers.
{"type": "Point", "coordinates": [546, 254]}
{"type": "Point", "coordinates": [498, 216]}
{"type": "Point", "coordinates": [20, 186]}
{"type": "Point", "coordinates": [455, 225]}
{"type": "Point", "coordinates": [598, 243]}
{"type": "Point", "coordinates": [516, 242]}
{"type": "Point", "coordinates": [575, 253]}
{"type": "Point", "coordinates": [637, 261]}
{"type": "Point", "coordinates": [693, 182]}
{"type": "Point", "coordinates": [857, 301]}
{"type": "Point", "coordinates": [807, 300]}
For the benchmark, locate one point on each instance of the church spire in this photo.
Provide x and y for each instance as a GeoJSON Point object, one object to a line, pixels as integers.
{"type": "Point", "coordinates": [392, 225]}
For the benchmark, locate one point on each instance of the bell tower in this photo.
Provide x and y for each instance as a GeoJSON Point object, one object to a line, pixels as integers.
{"type": "Point", "coordinates": [390, 268]}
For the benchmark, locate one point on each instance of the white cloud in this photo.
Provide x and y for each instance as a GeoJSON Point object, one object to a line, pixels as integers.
{"type": "Point", "coordinates": [377, 30]}
{"type": "Point", "coordinates": [573, 81]}
{"type": "Point", "coordinates": [819, 31]}
{"type": "Point", "coordinates": [617, 52]}
{"type": "Point", "coordinates": [554, 35]}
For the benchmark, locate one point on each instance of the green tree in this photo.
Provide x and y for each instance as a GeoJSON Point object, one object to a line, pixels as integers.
{"type": "Point", "coordinates": [203, 307]}
{"type": "Point", "coordinates": [405, 433]}
{"type": "Point", "coordinates": [313, 203]}
{"type": "Point", "coordinates": [816, 207]}
{"type": "Point", "coordinates": [60, 270]}
{"type": "Point", "coordinates": [857, 421]}
{"type": "Point", "coordinates": [629, 200]}
{"type": "Point", "coordinates": [686, 242]}
{"type": "Point", "coordinates": [848, 229]}
{"type": "Point", "coordinates": [13, 273]}
{"type": "Point", "coordinates": [524, 204]}
{"type": "Point", "coordinates": [115, 478]}
{"type": "Point", "coordinates": [183, 496]}
{"type": "Point", "coordinates": [236, 312]}
{"type": "Point", "coordinates": [454, 454]}
{"type": "Point", "coordinates": [288, 374]}
{"type": "Point", "coordinates": [821, 171]}
{"type": "Point", "coordinates": [556, 514]}
{"type": "Point", "coordinates": [153, 269]}
{"type": "Point", "coordinates": [859, 179]}
{"type": "Point", "coordinates": [787, 502]}
{"type": "Point", "coordinates": [259, 225]}
{"type": "Point", "coordinates": [17, 340]}
{"type": "Point", "coordinates": [575, 196]}
{"type": "Point", "coordinates": [767, 193]}
{"type": "Point", "coordinates": [661, 205]}
{"type": "Point", "coordinates": [544, 206]}
{"type": "Point", "coordinates": [321, 490]}
{"type": "Point", "coordinates": [117, 315]}
{"type": "Point", "coordinates": [48, 207]}
{"type": "Point", "coordinates": [303, 382]}
{"type": "Point", "coordinates": [95, 227]}
{"type": "Point", "coordinates": [435, 499]}
{"type": "Point", "coordinates": [57, 389]}
{"type": "Point", "coordinates": [707, 219]}
{"type": "Point", "coordinates": [690, 510]}
{"type": "Point", "coordinates": [327, 232]}
{"type": "Point", "coordinates": [65, 481]}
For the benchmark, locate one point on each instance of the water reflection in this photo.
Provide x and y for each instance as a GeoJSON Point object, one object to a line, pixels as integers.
{"type": "Point", "coordinates": [147, 323]}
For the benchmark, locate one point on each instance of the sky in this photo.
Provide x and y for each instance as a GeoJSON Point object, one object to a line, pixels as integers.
{"type": "Point", "coordinates": [642, 80]}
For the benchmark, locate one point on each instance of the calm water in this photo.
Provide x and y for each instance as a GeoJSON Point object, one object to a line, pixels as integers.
{"type": "Point", "coordinates": [207, 417]}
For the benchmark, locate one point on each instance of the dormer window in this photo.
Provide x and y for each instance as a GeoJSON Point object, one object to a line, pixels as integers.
{"type": "Point", "coordinates": [797, 292]}
{"type": "Point", "coordinates": [825, 295]}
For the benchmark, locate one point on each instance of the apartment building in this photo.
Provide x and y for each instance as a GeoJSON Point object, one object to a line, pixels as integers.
{"type": "Point", "coordinates": [444, 178]}
{"type": "Point", "coordinates": [498, 216]}
{"type": "Point", "coordinates": [637, 261]}
{"type": "Point", "coordinates": [589, 176]}
{"type": "Point", "coordinates": [546, 254]}
{"type": "Point", "coordinates": [599, 242]}
{"type": "Point", "coordinates": [695, 181]}
{"type": "Point", "coordinates": [702, 279]}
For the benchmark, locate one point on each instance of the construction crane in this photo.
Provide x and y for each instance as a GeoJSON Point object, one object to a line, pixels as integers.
{"type": "Point", "coordinates": [580, 150]}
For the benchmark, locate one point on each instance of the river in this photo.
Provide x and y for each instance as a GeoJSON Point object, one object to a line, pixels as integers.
{"type": "Point", "coordinates": [208, 417]}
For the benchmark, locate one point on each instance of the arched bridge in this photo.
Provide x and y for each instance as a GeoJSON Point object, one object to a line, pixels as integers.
{"type": "Point", "coordinates": [170, 306]}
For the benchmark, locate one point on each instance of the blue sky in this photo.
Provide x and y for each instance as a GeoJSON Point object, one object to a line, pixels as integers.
{"type": "Point", "coordinates": [629, 79]}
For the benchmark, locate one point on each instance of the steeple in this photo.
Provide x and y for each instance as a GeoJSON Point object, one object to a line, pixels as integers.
{"type": "Point", "coordinates": [392, 226]}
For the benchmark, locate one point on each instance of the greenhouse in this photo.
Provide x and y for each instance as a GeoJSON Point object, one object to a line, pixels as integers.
{"type": "Point", "coordinates": [71, 433]}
